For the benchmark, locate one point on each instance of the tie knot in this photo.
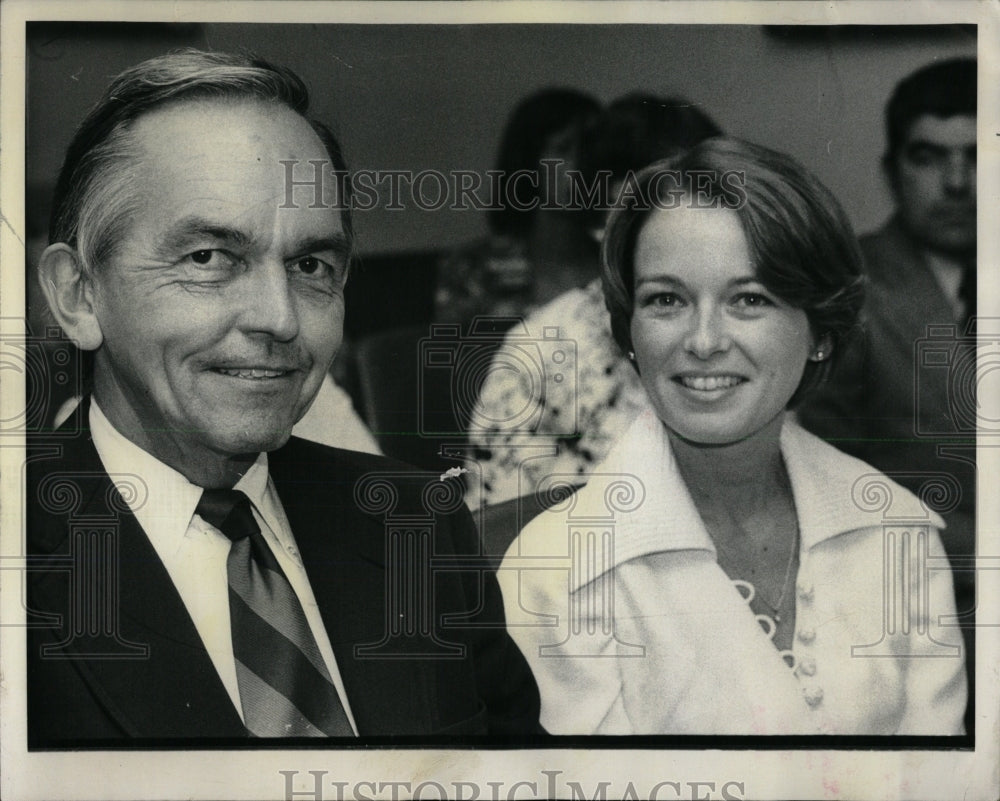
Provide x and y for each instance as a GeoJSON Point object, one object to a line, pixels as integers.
{"type": "Point", "coordinates": [229, 510]}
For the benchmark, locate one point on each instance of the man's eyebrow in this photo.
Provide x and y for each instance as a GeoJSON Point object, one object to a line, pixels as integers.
{"type": "Point", "coordinates": [195, 227]}
{"type": "Point", "coordinates": [192, 228]}
{"type": "Point", "coordinates": [923, 144]}
{"type": "Point", "coordinates": [336, 243]}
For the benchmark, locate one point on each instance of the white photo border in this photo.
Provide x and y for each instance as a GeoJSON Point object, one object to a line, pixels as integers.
{"type": "Point", "coordinates": [768, 773]}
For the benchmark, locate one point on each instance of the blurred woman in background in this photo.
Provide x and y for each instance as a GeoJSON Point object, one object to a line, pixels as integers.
{"type": "Point", "coordinates": [569, 426]}
{"type": "Point", "coordinates": [537, 245]}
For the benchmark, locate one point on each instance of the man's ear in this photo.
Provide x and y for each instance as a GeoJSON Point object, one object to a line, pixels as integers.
{"type": "Point", "coordinates": [69, 291]}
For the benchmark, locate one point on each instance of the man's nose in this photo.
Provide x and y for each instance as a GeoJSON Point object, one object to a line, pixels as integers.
{"type": "Point", "coordinates": [271, 304]}
{"type": "Point", "coordinates": [959, 175]}
{"type": "Point", "coordinates": [707, 334]}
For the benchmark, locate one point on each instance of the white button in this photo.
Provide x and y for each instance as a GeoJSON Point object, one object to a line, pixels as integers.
{"type": "Point", "coordinates": [767, 623]}
{"type": "Point", "coordinates": [806, 635]}
{"type": "Point", "coordinates": [807, 666]}
{"type": "Point", "coordinates": [813, 695]}
{"type": "Point", "coordinates": [805, 591]}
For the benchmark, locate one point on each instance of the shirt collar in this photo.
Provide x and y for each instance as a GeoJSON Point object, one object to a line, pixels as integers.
{"type": "Point", "coordinates": [652, 511]}
{"type": "Point", "coordinates": [164, 501]}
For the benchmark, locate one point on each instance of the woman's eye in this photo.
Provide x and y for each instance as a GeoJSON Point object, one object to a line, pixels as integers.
{"type": "Point", "coordinates": [663, 300]}
{"type": "Point", "coordinates": [752, 300]}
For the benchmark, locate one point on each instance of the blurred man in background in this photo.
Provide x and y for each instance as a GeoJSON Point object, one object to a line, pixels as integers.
{"type": "Point", "coordinates": [904, 397]}
{"type": "Point", "coordinates": [922, 271]}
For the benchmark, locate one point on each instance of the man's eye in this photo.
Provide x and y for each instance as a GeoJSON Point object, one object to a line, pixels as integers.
{"type": "Point", "coordinates": [213, 259]}
{"type": "Point", "coordinates": [310, 265]}
{"type": "Point", "coordinates": [923, 156]}
{"type": "Point", "coordinates": [320, 273]}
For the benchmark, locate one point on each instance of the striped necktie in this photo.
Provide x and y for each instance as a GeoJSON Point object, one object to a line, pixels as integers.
{"type": "Point", "coordinates": [285, 687]}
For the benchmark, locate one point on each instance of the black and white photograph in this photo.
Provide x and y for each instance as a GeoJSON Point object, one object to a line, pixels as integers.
{"type": "Point", "coordinates": [499, 400]}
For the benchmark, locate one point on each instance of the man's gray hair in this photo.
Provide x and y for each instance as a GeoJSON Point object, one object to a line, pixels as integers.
{"type": "Point", "coordinates": [95, 195]}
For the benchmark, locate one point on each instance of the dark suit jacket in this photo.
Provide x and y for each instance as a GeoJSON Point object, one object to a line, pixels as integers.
{"type": "Point", "coordinates": [891, 405]}
{"type": "Point", "coordinates": [136, 667]}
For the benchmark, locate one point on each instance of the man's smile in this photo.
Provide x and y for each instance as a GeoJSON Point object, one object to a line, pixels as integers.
{"type": "Point", "coordinates": [254, 373]}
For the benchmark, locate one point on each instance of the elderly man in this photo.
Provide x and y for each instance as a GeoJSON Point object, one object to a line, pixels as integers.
{"type": "Point", "coordinates": [251, 587]}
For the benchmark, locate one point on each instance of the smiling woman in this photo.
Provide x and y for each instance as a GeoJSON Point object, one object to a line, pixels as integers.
{"type": "Point", "coordinates": [742, 557]}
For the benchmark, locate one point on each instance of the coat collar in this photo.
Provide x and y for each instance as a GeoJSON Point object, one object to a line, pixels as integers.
{"type": "Point", "coordinates": [159, 681]}
{"type": "Point", "coordinates": [893, 260]}
{"type": "Point", "coordinates": [834, 494]}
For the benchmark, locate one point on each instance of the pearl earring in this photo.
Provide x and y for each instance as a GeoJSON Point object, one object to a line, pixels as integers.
{"type": "Point", "coordinates": [631, 355]}
{"type": "Point", "coordinates": [819, 355]}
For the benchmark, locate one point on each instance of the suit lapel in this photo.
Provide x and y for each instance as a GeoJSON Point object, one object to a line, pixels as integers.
{"type": "Point", "coordinates": [155, 679]}
{"type": "Point", "coordinates": [343, 550]}
{"type": "Point", "coordinates": [902, 270]}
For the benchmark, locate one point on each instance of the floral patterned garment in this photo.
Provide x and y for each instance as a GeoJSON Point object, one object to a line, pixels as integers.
{"type": "Point", "coordinates": [552, 413]}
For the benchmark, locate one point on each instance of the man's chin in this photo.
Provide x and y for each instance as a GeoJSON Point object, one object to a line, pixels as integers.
{"type": "Point", "coordinates": [274, 442]}
{"type": "Point", "coordinates": [954, 243]}
{"type": "Point", "coordinates": [959, 247]}
{"type": "Point", "coordinates": [249, 444]}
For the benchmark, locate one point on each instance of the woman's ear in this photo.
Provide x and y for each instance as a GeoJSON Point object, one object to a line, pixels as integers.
{"type": "Point", "coordinates": [822, 349]}
{"type": "Point", "coordinates": [69, 290]}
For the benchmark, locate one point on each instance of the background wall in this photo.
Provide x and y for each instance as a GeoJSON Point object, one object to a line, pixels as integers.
{"type": "Point", "coordinates": [420, 97]}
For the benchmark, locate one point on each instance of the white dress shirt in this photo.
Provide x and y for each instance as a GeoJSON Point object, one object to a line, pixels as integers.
{"type": "Point", "coordinates": [949, 274]}
{"type": "Point", "coordinates": [195, 552]}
